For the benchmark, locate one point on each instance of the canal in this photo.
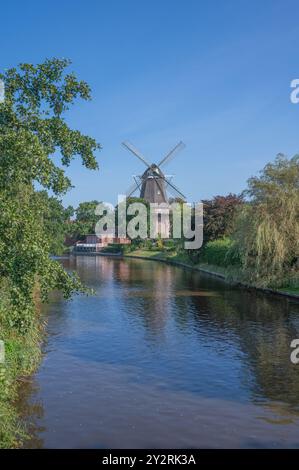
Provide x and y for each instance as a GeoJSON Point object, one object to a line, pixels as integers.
{"type": "Point", "coordinates": [163, 357]}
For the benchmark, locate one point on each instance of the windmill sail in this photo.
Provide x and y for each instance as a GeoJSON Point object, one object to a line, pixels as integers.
{"type": "Point", "coordinates": [136, 152]}
{"type": "Point", "coordinates": [180, 146]}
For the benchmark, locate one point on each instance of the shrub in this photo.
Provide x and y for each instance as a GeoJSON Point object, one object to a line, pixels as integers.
{"type": "Point", "coordinates": [170, 245]}
{"type": "Point", "coordinates": [219, 215]}
{"type": "Point", "coordinates": [113, 248]}
{"type": "Point", "coordinates": [217, 252]}
{"type": "Point", "coordinates": [160, 244]}
{"type": "Point", "coordinates": [267, 229]}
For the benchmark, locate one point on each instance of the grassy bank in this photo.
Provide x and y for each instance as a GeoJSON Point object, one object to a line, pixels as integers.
{"type": "Point", "coordinates": [22, 356]}
{"type": "Point", "coordinates": [213, 261]}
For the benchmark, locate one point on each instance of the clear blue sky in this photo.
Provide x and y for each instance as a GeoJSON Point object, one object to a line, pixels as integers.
{"type": "Point", "coordinates": [214, 74]}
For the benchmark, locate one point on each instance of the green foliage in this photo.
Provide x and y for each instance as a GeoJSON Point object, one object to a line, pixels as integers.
{"type": "Point", "coordinates": [85, 220]}
{"type": "Point", "coordinates": [148, 244]}
{"type": "Point", "coordinates": [264, 243]}
{"type": "Point", "coordinates": [170, 246]}
{"type": "Point", "coordinates": [160, 244]}
{"type": "Point", "coordinates": [137, 243]}
{"type": "Point", "coordinates": [55, 220]}
{"type": "Point", "coordinates": [85, 212]}
{"type": "Point", "coordinates": [216, 252]}
{"type": "Point", "coordinates": [267, 230]}
{"type": "Point", "coordinates": [32, 224]}
{"type": "Point", "coordinates": [35, 99]}
{"type": "Point", "coordinates": [113, 248]}
{"type": "Point", "coordinates": [22, 355]}
{"type": "Point", "coordinates": [32, 131]}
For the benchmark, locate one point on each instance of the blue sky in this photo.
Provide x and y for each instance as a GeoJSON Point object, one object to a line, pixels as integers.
{"type": "Point", "coordinates": [213, 74]}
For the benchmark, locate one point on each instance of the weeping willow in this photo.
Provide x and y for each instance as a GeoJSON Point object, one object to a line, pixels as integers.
{"type": "Point", "coordinates": [267, 229]}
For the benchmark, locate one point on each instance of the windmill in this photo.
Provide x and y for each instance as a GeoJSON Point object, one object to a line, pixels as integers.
{"type": "Point", "coordinates": [153, 184]}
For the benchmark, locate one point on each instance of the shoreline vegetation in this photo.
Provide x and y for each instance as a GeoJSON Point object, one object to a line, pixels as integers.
{"type": "Point", "coordinates": [229, 275]}
{"type": "Point", "coordinates": [22, 357]}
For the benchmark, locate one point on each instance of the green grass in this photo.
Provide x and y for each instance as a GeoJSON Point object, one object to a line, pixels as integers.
{"type": "Point", "coordinates": [215, 259]}
{"type": "Point", "coordinates": [22, 356]}
{"type": "Point", "coordinates": [161, 255]}
{"type": "Point", "coordinates": [289, 290]}
{"type": "Point", "coordinates": [219, 253]}
{"type": "Point", "coordinates": [146, 253]}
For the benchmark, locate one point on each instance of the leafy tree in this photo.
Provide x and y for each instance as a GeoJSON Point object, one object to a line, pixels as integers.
{"type": "Point", "coordinates": [267, 230]}
{"type": "Point", "coordinates": [56, 221]}
{"type": "Point", "coordinates": [219, 215]}
{"type": "Point", "coordinates": [85, 220]}
{"type": "Point", "coordinates": [160, 243]}
{"type": "Point", "coordinates": [32, 131]}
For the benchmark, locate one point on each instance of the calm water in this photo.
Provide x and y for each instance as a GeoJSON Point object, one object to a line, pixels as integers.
{"type": "Point", "coordinates": [164, 357]}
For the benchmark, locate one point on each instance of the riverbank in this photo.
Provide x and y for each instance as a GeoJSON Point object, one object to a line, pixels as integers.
{"type": "Point", "coordinates": [22, 357]}
{"type": "Point", "coordinates": [228, 275]}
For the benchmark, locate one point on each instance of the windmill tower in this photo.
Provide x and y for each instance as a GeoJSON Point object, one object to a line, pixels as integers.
{"type": "Point", "coordinates": [154, 185]}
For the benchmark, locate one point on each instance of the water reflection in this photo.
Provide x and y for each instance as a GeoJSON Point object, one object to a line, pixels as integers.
{"type": "Point", "coordinates": [32, 412]}
{"type": "Point", "coordinates": [160, 357]}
